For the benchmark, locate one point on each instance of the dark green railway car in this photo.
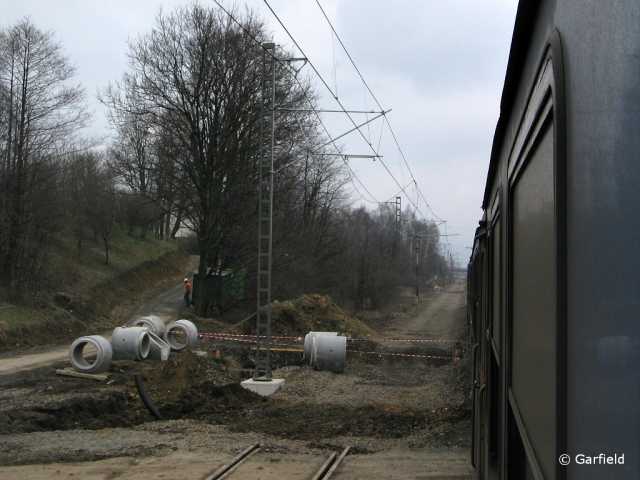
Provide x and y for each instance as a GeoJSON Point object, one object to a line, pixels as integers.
{"type": "Point", "coordinates": [554, 290]}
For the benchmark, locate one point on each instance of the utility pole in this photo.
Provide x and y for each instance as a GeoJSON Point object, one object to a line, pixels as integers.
{"type": "Point", "coordinates": [416, 251]}
{"type": "Point", "coordinates": [396, 236]}
{"type": "Point", "coordinates": [265, 215]}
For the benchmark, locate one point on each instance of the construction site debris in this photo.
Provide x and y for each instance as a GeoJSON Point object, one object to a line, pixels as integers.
{"type": "Point", "coordinates": [67, 372]}
{"type": "Point", "coordinates": [130, 343]}
{"type": "Point", "coordinates": [147, 402]}
{"type": "Point", "coordinates": [103, 354]}
{"type": "Point", "coordinates": [314, 312]}
{"type": "Point", "coordinates": [181, 334]}
{"type": "Point", "coordinates": [153, 323]}
{"type": "Point", "coordinates": [159, 349]}
{"type": "Point", "coordinates": [308, 343]}
{"type": "Point", "coordinates": [264, 388]}
{"type": "Point", "coordinates": [329, 352]}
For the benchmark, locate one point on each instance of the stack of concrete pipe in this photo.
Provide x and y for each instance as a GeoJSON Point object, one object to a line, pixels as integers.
{"type": "Point", "coordinates": [146, 338]}
{"type": "Point", "coordinates": [325, 351]}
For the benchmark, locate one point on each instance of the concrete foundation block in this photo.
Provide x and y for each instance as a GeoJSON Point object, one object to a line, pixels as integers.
{"type": "Point", "coordinates": [264, 389]}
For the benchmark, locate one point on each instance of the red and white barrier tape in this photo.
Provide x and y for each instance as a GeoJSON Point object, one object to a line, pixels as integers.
{"type": "Point", "coordinates": [405, 340]}
{"type": "Point", "coordinates": [234, 335]}
{"type": "Point", "coordinates": [379, 354]}
{"type": "Point", "coordinates": [350, 339]}
{"type": "Point", "coordinates": [410, 355]}
{"type": "Point", "coordinates": [212, 338]}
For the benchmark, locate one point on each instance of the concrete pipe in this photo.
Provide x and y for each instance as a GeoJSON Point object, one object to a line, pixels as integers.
{"type": "Point", "coordinates": [181, 334]}
{"type": "Point", "coordinates": [159, 348]}
{"type": "Point", "coordinates": [308, 342]}
{"type": "Point", "coordinates": [329, 353]}
{"type": "Point", "coordinates": [130, 343]}
{"type": "Point", "coordinates": [88, 364]}
{"type": "Point", "coordinates": [153, 323]}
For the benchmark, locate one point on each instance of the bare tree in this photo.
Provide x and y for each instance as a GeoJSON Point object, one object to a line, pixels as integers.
{"type": "Point", "coordinates": [42, 112]}
{"type": "Point", "coordinates": [197, 75]}
{"type": "Point", "coordinates": [187, 118]}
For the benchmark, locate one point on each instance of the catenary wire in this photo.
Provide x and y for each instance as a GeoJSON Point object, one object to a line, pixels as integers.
{"type": "Point", "coordinates": [373, 96]}
{"type": "Point", "coordinates": [352, 173]}
{"type": "Point", "coordinates": [330, 90]}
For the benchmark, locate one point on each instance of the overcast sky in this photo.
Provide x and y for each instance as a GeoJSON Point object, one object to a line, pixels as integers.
{"type": "Point", "coordinates": [439, 65]}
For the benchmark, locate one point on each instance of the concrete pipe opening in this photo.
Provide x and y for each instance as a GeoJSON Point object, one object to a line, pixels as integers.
{"type": "Point", "coordinates": [176, 336]}
{"type": "Point", "coordinates": [130, 343]}
{"type": "Point", "coordinates": [91, 354]}
{"type": "Point", "coordinates": [153, 323]}
{"type": "Point", "coordinates": [181, 334]}
{"type": "Point", "coordinates": [192, 331]}
{"type": "Point", "coordinates": [145, 346]}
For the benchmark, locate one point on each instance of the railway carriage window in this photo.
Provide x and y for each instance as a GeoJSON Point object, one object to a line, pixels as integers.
{"type": "Point", "coordinates": [534, 298]}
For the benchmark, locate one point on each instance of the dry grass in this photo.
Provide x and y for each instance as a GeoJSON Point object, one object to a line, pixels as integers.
{"type": "Point", "coordinates": [79, 271]}
{"type": "Point", "coordinates": [92, 288]}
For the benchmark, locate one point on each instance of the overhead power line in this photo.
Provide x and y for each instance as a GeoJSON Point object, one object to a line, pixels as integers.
{"type": "Point", "coordinates": [337, 100]}
{"type": "Point", "coordinates": [352, 174]}
{"type": "Point", "coordinates": [375, 99]}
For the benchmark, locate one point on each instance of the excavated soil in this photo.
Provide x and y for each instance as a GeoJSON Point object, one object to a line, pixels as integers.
{"type": "Point", "coordinates": [187, 384]}
{"type": "Point", "coordinates": [383, 400]}
{"type": "Point", "coordinates": [379, 402]}
{"type": "Point", "coordinates": [311, 312]}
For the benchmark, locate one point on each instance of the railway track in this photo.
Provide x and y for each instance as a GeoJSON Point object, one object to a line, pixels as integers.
{"type": "Point", "coordinates": [250, 463]}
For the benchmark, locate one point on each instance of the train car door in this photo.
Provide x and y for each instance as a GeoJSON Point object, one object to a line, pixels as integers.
{"type": "Point", "coordinates": [493, 340]}
{"type": "Point", "coordinates": [478, 349]}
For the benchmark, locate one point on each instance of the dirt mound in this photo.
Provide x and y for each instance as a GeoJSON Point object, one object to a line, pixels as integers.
{"type": "Point", "coordinates": [185, 371]}
{"type": "Point", "coordinates": [191, 385]}
{"type": "Point", "coordinates": [314, 312]}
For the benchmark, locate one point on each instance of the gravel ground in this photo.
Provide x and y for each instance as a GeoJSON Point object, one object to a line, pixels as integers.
{"type": "Point", "coordinates": [392, 385]}
{"type": "Point", "coordinates": [375, 406]}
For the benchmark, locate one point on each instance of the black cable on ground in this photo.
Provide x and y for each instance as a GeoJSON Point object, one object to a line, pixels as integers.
{"type": "Point", "coordinates": [145, 398]}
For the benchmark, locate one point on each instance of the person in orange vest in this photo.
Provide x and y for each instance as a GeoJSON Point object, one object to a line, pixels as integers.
{"type": "Point", "coordinates": [188, 287]}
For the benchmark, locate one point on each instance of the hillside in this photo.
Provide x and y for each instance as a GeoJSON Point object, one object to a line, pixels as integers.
{"type": "Point", "coordinates": [80, 293]}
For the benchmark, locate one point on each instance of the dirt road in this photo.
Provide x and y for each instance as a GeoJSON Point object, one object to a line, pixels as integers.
{"type": "Point", "coordinates": [439, 314]}
{"type": "Point", "coordinates": [165, 305]}
{"type": "Point", "coordinates": [403, 418]}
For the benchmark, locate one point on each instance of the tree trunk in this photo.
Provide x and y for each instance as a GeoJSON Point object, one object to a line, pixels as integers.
{"type": "Point", "coordinates": [105, 240]}
{"type": "Point", "coordinates": [198, 290]}
{"type": "Point", "coordinates": [176, 225]}
{"type": "Point", "coordinates": [167, 226]}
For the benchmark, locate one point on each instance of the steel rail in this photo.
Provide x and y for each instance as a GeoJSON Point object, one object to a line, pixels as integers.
{"type": "Point", "coordinates": [325, 467]}
{"type": "Point", "coordinates": [336, 464]}
{"type": "Point", "coordinates": [226, 470]}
